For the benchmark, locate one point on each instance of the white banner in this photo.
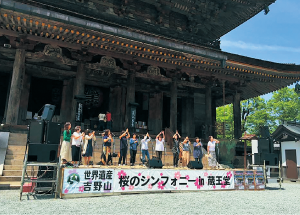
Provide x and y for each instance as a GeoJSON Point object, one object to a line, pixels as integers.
{"type": "Point", "coordinates": [91, 180]}
{"type": "Point", "coordinates": [128, 180]}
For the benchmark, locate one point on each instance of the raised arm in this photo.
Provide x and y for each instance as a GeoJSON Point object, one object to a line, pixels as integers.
{"type": "Point", "coordinates": [158, 136]}
{"type": "Point", "coordinates": [178, 134]}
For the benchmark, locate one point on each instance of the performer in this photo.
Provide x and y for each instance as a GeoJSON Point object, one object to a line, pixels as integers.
{"type": "Point", "coordinates": [102, 119]}
{"type": "Point", "coordinates": [211, 151]}
{"type": "Point", "coordinates": [65, 150]}
{"type": "Point", "coordinates": [89, 143]}
{"type": "Point", "coordinates": [123, 146]}
{"type": "Point", "coordinates": [108, 120]}
{"type": "Point", "coordinates": [159, 147]}
{"type": "Point", "coordinates": [108, 140]}
{"type": "Point", "coordinates": [175, 149]}
{"type": "Point", "coordinates": [145, 151]}
{"type": "Point", "coordinates": [77, 142]}
{"type": "Point", "coordinates": [185, 152]}
{"type": "Point", "coordinates": [133, 149]}
{"type": "Point", "coordinates": [197, 150]}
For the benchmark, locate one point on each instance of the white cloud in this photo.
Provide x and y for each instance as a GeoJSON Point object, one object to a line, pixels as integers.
{"type": "Point", "coordinates": [258, 47]}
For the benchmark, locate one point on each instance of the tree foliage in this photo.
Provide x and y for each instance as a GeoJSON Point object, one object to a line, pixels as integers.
{"type": "Point", "coordinates": [256, 112]}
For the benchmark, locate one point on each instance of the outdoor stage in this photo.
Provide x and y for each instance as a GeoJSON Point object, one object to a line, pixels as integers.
{"type": "Point", "coordinates": [99, 180]}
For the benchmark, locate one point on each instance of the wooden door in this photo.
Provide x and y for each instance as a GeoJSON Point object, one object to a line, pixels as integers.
{"type": "Point", "coordinates": [291, 164]}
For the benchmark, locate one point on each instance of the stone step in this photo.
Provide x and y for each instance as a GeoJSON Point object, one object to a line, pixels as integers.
{"type": "Point", "coordinates": [19, 167]}
{"type": "Point", "coordinates": [13, 162]}
{"type": "Point", "coordinates": [13, 172]}
{"type": "Point", "coordinates": [16, 139]}
{"type": "Point", "coordinates": [10, 178]}
{"type": "Point", "coordinates": [17, 143]}
{"type": "Point", "coordinates": [17, 157]}
{"type": "Point", "coordinates": [8, 185]}
{"type": "Point", "coordinates": [14, 150]}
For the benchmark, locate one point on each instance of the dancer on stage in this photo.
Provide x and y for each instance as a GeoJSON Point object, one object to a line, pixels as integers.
{"type": "Point", "coordinates": [185, 152]}
{"type": "Point", "coordinates": [175, 149]}
{"type": "Point", "coordinates": [102, 120]}
{"type": "Point", "coordinates": [145, 151]}
{"type": "Point", "coordinates": [89, 143]}
{"type": "Point", "coordinates": [123, 146]}
{"type": "Point", "coordinates": [65, 150]}
{"type": "Point", "coordinates": [133, 149]}
{"type": "Point", "coordinates": [160, 144]}
{"type": "Point", "coordinates": [197, 150]}
{"type": "Point", "coordinates": [108, 140]}
{"type": "Point", "coordinates": [77, 142]}
{"type": "Point", "coordinates": [211, 151]}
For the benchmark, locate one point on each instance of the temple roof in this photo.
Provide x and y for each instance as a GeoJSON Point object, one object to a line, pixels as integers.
{"type": "Point", "coordinates": [192, 21]}
{"type": "Point", "coordinates": [287, 131]}
{"type": "Point", "coordinates": [201, 65]}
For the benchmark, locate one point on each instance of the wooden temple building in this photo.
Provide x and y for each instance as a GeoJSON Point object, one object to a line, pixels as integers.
{"type": "Point", "coordinates": [161, 56]}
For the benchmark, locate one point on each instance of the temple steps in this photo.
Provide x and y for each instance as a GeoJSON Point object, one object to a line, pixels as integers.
{"type": "Point", "coordinates": [10, 178]}
{"type": "Point", "coordinates": [13, 164]}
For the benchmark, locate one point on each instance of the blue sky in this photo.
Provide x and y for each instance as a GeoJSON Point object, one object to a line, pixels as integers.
{"type": "Point", "coordinates": [273, 37]}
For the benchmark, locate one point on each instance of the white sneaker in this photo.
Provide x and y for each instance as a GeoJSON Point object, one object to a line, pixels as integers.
{"type": "Point", "coordinates": [124, 164]}
{"type": "Point", "coordinates": [119, 164]}
{"type": "Point", "coordinates": [144, 165]}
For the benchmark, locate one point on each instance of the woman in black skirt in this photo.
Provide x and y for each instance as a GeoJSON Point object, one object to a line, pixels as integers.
{"type": "Point", "coordinates": [89, 143]}
{"type": "Point", "coordinates": [77, 142]}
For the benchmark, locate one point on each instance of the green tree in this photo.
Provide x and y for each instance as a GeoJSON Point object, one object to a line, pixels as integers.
{"type": "Point", "coordinates": [285, 105]}
{"type": "Point", "coordinates": [255, 113]}
{"type": "Point", "coordinates": [225, 115]}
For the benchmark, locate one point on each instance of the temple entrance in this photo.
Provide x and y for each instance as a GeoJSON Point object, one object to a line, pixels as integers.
{"type": "Point", "coordinates": [97, 102]}
{"type": "Point", "coordinates": [4, 87]}
{"type": "Point", "coordinates": [45, 91]}
{"type": "Point", "coordinates": [142, 110]}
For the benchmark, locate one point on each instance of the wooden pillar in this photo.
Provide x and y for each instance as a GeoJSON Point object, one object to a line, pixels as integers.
{"type": "Point", "coordinates": [237, 116]}
{"type": "Point", "coordinates": [214, 117]}
{"type": "Point", "coordinates": [78, 88]}
{"type": "Point", "coordinates": [15, 88]}
{"type": "Point", "coordinates": [173, 105]}
{"type": "Point", "coordinates": [24, 100]}
{"type": "Point", "coordinates": [191, 119]}
{"type": "Point", "coordinates": [130, 95]}
{"type": "Point", "coordinates": [115, 106]}
{"type": "Point", "coordinates": [208, 109]}
{"type": "Point", "coordinates": [199, 114]}
{"type": "Point", "coordinates": [66, 102]}
{"type": "Point", "coordinates": [188, 117]}
{"type": "Point", "coordinates": [155, 113]}
{"type": "Point", "coordinates": [6, 100]}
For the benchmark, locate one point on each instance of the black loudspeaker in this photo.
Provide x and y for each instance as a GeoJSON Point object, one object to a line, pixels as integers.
{"type": "Point", "coordinates": [154, 163]}
{"type": "Point", "coordinates": [36, 131]}
{"type": "Point", "coordinates": [48, 112]}
{"type": "Point", "coordinates": [195, 165]}
{"type": "Point", "coordinates": [53, 133]}
{"type": "Point", "coordinates": [42, 152]}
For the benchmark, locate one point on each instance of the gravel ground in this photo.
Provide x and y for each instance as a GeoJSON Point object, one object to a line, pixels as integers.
{"type": "Point", "coordinates": [270, 201]}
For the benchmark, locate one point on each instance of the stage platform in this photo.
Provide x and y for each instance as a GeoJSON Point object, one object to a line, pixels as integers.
{"type": "Point", "coordinates": [117, 180]}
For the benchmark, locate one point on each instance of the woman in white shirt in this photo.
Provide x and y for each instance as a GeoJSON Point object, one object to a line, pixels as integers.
{"type": "Point", "coordinates": [77, 142]}
{"type": "Point", "coordinates": [145, 151]}
{"type": "Point", "coordinates": [211, 151]}
{"type": "Point", "coordinates": [160, 144]}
